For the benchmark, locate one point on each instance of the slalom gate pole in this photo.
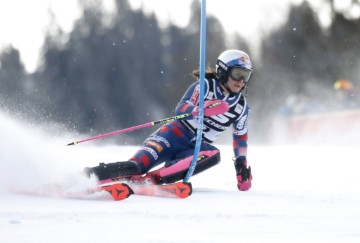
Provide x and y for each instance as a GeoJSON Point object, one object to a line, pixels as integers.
{"type": "Point", "coordinates": [149, 124]}
{"type": "Point", "coordinates": [201, 95]}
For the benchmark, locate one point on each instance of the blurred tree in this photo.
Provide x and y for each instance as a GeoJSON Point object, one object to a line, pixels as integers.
{"type": "Point", "coordinates": [182, 49]}
{"type": "Point", "coordinates": [290, 57]}
{"type": "Point", "coordinates": [69, 77]}
{"type": "Point", "coordinates": [345, 11]}
{"type": "Point", "coordinates": [294, 53]}
{"type": "Point", "coordinates": [343, 52]}
{"type": "Point", "coordinates": [13, 77]}
{"type": "Point", "coordinates": [104, 71]}
{"type": "Point", "coordinates": [303, 58]}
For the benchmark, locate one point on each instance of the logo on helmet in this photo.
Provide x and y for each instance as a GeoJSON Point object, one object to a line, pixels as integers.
{"type": "Point", "coordinates": [223, 65]}
{"type": "Point", "coordinates": [244, 60]}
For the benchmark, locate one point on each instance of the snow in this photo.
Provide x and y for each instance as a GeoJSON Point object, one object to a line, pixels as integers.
{"type": "Point", "coordinates": [299, 194]}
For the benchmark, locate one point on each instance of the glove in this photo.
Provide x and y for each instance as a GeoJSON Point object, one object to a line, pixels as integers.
{"type": "Point", "coordinates": [212, 108]}
{"type": "Point", "coordinates": [243, 173]}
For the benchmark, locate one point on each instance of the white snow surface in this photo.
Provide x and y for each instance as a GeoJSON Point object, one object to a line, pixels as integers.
{"type": "Point", "coordinates": [299, 194]}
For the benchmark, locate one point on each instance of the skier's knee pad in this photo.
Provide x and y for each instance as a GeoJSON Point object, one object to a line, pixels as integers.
{"type": "Point", "coordinates": [178, 171]}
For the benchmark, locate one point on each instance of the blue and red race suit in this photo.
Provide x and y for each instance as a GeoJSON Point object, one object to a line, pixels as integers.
{"type": "Point", "coordinates": [176, 140]}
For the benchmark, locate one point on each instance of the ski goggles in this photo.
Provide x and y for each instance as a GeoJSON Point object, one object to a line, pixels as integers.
{"type": "Point", "coordinates": [238, 74]}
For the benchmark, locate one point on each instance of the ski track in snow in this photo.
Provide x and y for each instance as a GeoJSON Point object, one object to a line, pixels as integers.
{"type": "Point", "coordinates": [299, 194]}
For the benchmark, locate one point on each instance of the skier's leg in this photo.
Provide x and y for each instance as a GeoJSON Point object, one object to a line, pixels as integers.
{"type": "Point", "coordinates": [177, 169]}
{"type": "Point", "coordinates": [161, 146]}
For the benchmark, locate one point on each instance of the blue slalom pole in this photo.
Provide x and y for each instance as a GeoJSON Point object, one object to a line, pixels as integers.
{"type": "Point", "coordinates": [201, 96]}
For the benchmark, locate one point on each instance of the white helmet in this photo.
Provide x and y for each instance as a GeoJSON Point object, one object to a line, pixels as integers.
{"type": "Point", "coordinates": [231, 59]}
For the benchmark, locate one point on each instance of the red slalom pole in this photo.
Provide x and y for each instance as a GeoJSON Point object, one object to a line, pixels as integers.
{"type": "Point", "coordinates": [149, 124]}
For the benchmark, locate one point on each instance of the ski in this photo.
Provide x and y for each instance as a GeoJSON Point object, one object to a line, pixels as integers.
{"type": "Point", "coordinates": [174, 190]}
{"type": "Point", "coordinates": [121, 191]}
{"type": "Point", "coordinates": [118, 191]}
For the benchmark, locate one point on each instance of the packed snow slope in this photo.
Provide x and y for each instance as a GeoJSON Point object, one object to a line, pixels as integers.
{"type": "Point", "coordinates": [299, 194]}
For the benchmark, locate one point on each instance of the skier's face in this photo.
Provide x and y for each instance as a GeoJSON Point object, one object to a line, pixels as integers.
{"type": "Point", "coordinates": [235, 86]}
{"type": "Point", "coordinates": [237, 78]}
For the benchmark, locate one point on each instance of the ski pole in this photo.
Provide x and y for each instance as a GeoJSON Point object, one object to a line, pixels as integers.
{"type": "Point", "coordinates": [149, 124]}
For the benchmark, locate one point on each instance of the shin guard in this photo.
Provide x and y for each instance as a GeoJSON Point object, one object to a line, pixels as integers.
{"type": "Point", "coordinates": [178, 171]}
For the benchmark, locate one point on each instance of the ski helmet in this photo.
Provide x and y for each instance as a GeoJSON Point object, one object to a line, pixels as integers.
{"type": "Point", "coordinates": [232, 59]}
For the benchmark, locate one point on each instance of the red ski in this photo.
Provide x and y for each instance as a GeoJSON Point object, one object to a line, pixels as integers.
{"type": "Point", "coordinates": [118, 191]}
{"type": "Point", "coordinates": [121, 191]}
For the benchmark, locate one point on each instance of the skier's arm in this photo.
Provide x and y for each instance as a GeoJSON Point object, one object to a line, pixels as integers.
{"type": "Point", "coordinates": [240, 134]}
{"type": "Point", "coordinates": [190, 100]}
{"type": "Point", "coordinates": [240, 137]}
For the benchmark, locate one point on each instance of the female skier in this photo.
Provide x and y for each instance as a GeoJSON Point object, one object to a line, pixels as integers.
{"type": "Point", "coordinates": [174, 142]}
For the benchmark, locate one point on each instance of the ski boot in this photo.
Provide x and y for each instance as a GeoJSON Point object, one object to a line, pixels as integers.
{"type": "Point", "coordinates": [117, 170]}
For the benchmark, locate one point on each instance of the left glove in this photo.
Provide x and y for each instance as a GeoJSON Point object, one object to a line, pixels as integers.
{"type": "Point", "coordinates": [243, 173]}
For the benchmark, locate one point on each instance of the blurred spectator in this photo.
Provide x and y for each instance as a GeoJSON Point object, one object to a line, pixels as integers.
{"type": "Point", "coordinates": [344, 95]}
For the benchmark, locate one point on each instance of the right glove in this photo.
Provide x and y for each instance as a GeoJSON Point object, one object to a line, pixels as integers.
{"type": "Point", "coordinates": [243, 173]}
{"type": "Point", "coordinates": [212, 108]}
